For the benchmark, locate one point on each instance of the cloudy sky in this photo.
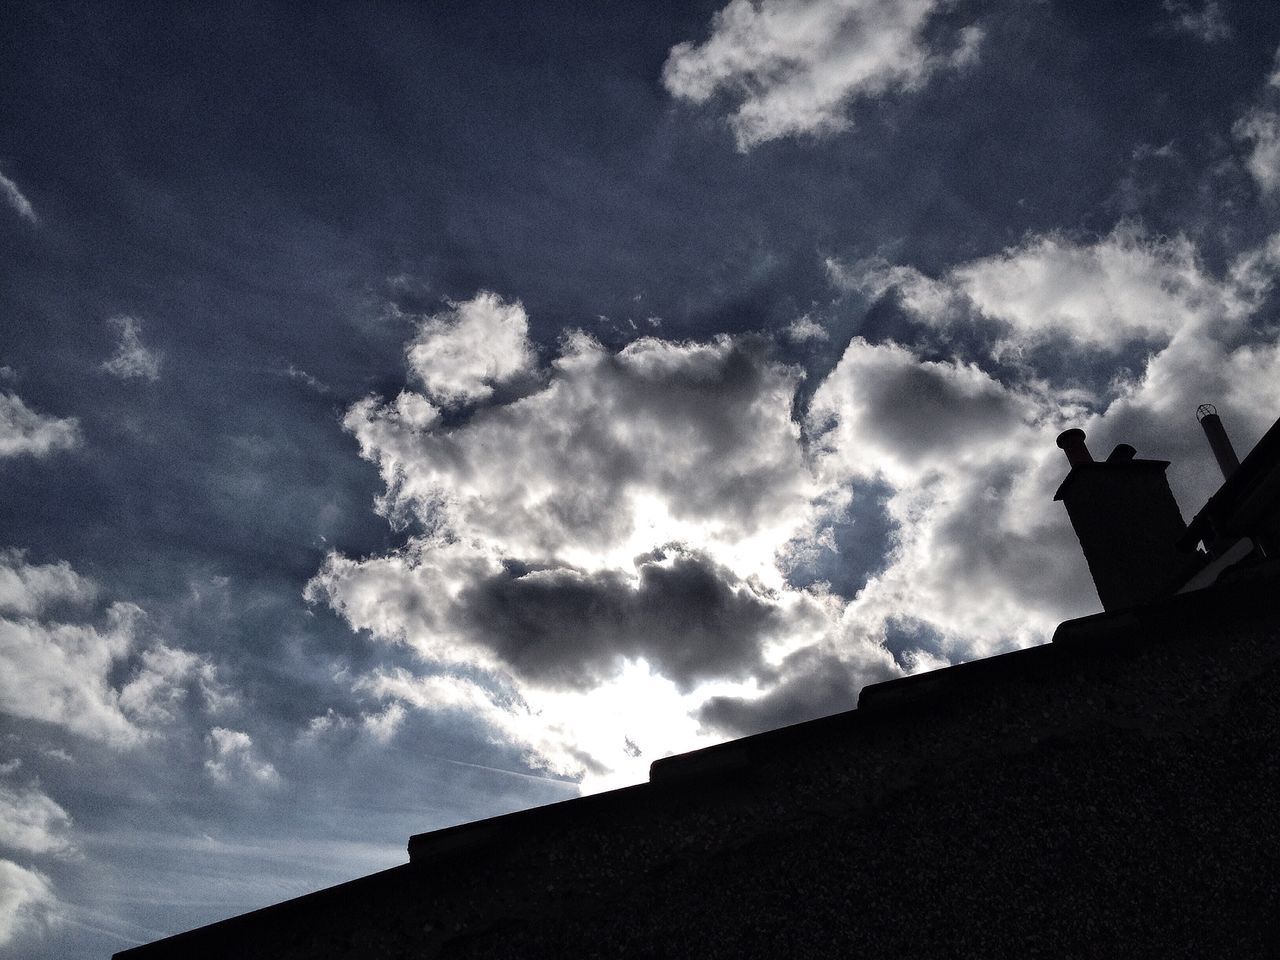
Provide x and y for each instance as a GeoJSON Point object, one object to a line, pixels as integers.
{"type": "Point", "coordinates": [415, 412]}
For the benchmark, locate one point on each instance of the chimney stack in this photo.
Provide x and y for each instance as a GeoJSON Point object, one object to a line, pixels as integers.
{"type": "Point", "coordinates": [1127, 521]}
{"type": "Point", "coordinates": [1219, 442]}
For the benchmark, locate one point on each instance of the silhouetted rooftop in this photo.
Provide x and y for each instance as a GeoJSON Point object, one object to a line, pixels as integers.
{"type": "Point", "coordinates": [1252, 489]}
{"type": "Point", "coordinates": [1113, 792]}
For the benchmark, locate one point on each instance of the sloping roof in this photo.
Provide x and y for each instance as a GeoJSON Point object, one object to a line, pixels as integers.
{"type": "Point", "coordinates": [1114, 791]}
{"type": "Point", "coordinates": [1252, 490]}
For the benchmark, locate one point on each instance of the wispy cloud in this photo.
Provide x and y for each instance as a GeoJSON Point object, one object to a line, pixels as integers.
{"type": "Point", "coordinates": [133, 360]}
{"type": "Point", "coordinates": [232, 757]}
{"type": "Point", "coordinates": [16, 200]}
{"type": "Point", "coordinates": [24, 431]}
{"type": "Point", "coordinates": [1260, 127]}
{"type": "Point", "coordinates": [27, 900]}
{"type": "Point", "coordinates": [32, 822]}
{"type": "Point", "coordinates": [794, 66]}
{"type": "Point", "coordinates": [94, 677]}
{"type": "Point", "coordinates": [299, 375]}
{"type": "Point", "coordinates": [1204, 20]}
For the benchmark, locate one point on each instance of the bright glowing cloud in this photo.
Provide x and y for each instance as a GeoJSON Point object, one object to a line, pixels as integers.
{"type": "Point", "coordinates": [622, 521]}
{"type": "Point", "coordinates": [461, 354]}
{"type": "Point", "coordinates": [623, 531]}
{"type": "Point", "coordinates": [1103, 294]}
{"type": "Point", "coordinates": [971, 459]}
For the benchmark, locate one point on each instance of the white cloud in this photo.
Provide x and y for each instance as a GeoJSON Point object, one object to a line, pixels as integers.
{"type": "Point", "coordinates": [159, 686]}
{"type": "Point", "coordinates": [28, 589]}
{"type": "Point", "coordinates": [461, 354]}
{"type": "Point", "coordinates": [324, 724]}
{"type": "Point", "coordinates": [983, 557]}
{"type": "Point", "coordinates": [31, 822]}
{"type": "Point", "coordinates": [564, 534]}
{"type": "Point", "coordinates": [675, 471]}
{"type": "Point", "coordinates": [234, 759]}
{"type": "Point", "coordinates": [61, 672]}
{"type": "Point", "coordinates": [383, 724]}
{"type": "Point", "coordinates": [804, 328]}
{"type": "Point", "coordinates": [618, 454]}
{"type": "Point", "coordinates": [14, 197]}
{"type": "Point", "coordinates": [542, 525]}
{"type": "Point", "coordinates": [1122, 288]}
{"type": "Point", "coordinates": [27, 901]}
{"type": "Point", "coordinates": [133, 360]}
{"type": "Point", "coordinates": [24, 431]}
{"type": "Point", "coordinates": [794, 66]}
{"type": "Point", "coordinates": [972, 466]}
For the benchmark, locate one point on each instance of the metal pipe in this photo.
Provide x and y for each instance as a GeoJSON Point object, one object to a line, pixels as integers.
{"type": "Point", "coordinates": [1219, 442]}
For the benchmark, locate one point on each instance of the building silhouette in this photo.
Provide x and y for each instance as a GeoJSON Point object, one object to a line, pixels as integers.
{"type": "Point", "coordinates": [1113, 793]}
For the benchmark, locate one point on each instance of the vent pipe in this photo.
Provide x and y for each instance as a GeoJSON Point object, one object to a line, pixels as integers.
{"type": "Point", "coordinates": [1072, 443]}
{"type": "Point", "coordinates": [1219, 442]}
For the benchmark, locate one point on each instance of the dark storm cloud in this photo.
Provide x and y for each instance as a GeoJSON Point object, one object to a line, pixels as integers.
{"type": "Point", "coordinates": [690, 618]}
{"type": "Point", "coordinates": [810, 684]}
{"type": "Point", "coordinates": [925, 410]}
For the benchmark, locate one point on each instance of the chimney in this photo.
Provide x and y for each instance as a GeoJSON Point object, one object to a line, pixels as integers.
{"type": "Point", "coordinates": [1072, 443]}
{"type": "Point", "coordinates": [1128, 523]}
{"type": "Point", "coordinates": [1219, 442]}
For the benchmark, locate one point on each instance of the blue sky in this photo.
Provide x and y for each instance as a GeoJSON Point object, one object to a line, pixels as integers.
{"type": "Point", "coordinates": [415, 412]}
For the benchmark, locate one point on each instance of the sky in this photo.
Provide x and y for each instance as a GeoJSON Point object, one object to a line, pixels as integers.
{"type": "Point", "coordinates": [414, 412]}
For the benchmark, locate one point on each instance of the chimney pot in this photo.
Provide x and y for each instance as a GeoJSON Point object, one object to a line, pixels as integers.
{"type": "Point", "coordinates": [1072, 443]}
{"type": "Point", "coordinates": [1123, 453]}
{"type": "Point", "coordinates": [1219, 442]}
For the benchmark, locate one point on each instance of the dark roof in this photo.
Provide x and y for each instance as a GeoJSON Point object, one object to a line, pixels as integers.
{"type": "Point", "coordinates": [1004, 755]}
{"type": "Point", "coordinates": [1250, 490]}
